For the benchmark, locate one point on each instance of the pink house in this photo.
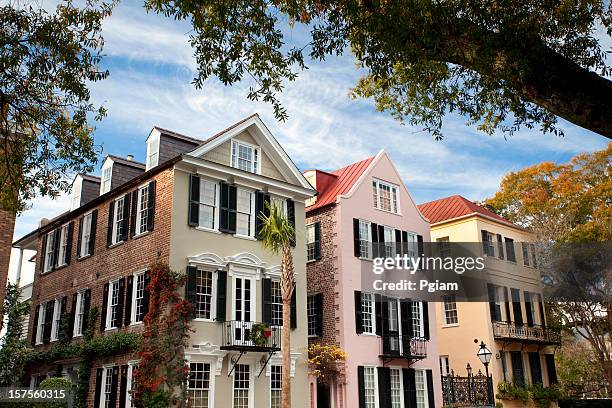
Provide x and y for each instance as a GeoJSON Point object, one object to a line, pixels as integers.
{"type": "Point", "coordinates": [364, 211]}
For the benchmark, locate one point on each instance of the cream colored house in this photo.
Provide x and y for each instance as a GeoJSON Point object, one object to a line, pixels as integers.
{"type": "Point", "coordinates": [513, 323]}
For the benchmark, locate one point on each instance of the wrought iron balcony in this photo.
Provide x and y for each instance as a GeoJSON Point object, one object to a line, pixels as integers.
{"type": "Point", "coordinates": [405, 347]}
{"type": "Point", "coordinates": [523, 333]}
{"type": "Point", "coordinates": [250, 336]}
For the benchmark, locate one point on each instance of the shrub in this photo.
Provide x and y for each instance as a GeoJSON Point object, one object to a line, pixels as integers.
{"type": "Point", "coordinates": [55, 383]}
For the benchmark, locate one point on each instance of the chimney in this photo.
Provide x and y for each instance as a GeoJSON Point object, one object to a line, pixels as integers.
{"type": "Point", "coordinates": [130, 157]}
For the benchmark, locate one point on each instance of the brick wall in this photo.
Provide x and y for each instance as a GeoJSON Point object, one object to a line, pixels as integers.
{"type": "Point", "coordinates": [322, 274]}
{"type": "Point", "coordinates": [7, 227]}
{"type": "Point", "coordinates": [106, 264]}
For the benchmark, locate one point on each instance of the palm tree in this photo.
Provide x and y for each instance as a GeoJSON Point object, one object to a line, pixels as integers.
{"type": "Point", "coordinates": [277, 234]}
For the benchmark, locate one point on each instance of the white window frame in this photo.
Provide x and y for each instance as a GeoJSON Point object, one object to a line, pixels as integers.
{"type": "Point", "coordinates": [56, 321]}
{"type": "Point", "coordinates": [128, 389]}
{"type": "Point", "coordinates": [152, 153]}
{"type": "Point", "coordinates": [251, 275]}
{"type": "Point", "coordinates": [75, 199]}
{"type": "Point", "coordinates": [215, 206]}
{"type": "Point", "coordinates": [255, 157]}
{"type": "Point", "coordinates": [106, 178]}
{"type": "Point", "coordinates": [79, 315]}
{"type": "Point", "coordinates": [445, 365]}
{"type": "Point", "coordinates": [311, 307]}
{"type": "Point", "coordinates": [213, 295]}
{"type": "Point", "coordinates": [447, 301]}
{"type": "Point", "coordinates": [104, 384]}
{"type": "Point", "coordinates": [280, 202]}
{"type": "Point", "coordinates": [423, 375]}
{"type": "Point", "coordinates": [374, 372]}
{"type": "Point", "coordinates": [117, 220]}
{"type": "Point", "coordinates": [109, 306]}
{"type": "Point", "coordinates": [251, 232]}
{"type": "Point", "coordinates": [63, 246]}
{"type": "Point", "coordinates": [401, 386]}
{"type": "Point", "coordinates": [133, 297]}
{"type": "Point", "coordinates": [49, 261]}
{"type": "Point", "coordinates": [251, 390]}
{"type": "Point", "coordinates": [40, 328]}
{"type": "Point", "coordinates": [365, 242]}
{"type": "Point", "coordinates": [372, 302]}
{"type": "Point", "coordinates": [86, 227]}
{"type": "Point", "coordinates": [421, 332]}
{"type": "Point", "coordinates": [211, 381]}
{"type": "Point", "coordinates": [271, 379]}
{"type": "Point", "coordinates": [393, 191]}
{"type": "Point", "coordinates": [278, 304]}
{"type": "Point", "coordinates": [310, 242]}
{"type": "Point", "coordinates": [389, 245]}
{"type": "Point", "coordinates": [140, 210]}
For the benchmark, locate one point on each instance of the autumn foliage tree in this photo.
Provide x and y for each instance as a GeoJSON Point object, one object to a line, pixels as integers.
{"type": "Point", "coordinates": [161, 376]}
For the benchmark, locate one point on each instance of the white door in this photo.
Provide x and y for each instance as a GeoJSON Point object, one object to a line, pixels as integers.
{"type": "Point", "coordinates": [243, 303]}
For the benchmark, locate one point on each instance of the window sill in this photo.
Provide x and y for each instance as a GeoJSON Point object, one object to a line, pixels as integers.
{"type": "Point", "coordinates": [448, 326]}
{"type": "Point", "coordinates": [368, 334]}
{"type": "Point", "coordinates": [137, 324]}
{"type": "Point", "coordinates": [116, 244]}
{"type": "Point", "coordinates": [313, 336]}
{"type": "Point", "coordinates": [311, 260]}
{"type": "Point", "coordinates": [200, 319]}
{"type": "Point", "coordinates": [111, 329]}
{"type": "Point", "coordinates": [142, 234]}
{"type": "Point", "coordinates": [245, 237]}
{"type": "Point", "coordinates": [388, 212]}
{"type": "Point", "coordinates": [84, 257]}
{"type": "Point", "coordinates": [361, 258]}
{"type": "Point", "coordinates": [214, 231]}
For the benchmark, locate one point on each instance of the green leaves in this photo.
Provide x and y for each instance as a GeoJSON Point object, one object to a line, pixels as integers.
{"type": "Point", "coordinates": [276, 231]}
{"type": "Point", "coordinates": [47, 61]}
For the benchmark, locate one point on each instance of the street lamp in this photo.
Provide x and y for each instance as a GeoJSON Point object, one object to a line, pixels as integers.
{"type": "Point", "coordinates": [484, 354]}
{"type": "Point", "coordinates": [469, 369]}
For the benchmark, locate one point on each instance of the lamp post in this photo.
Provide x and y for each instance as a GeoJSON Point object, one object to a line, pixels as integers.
{"type": "Point", "coordinates": [484, 355]}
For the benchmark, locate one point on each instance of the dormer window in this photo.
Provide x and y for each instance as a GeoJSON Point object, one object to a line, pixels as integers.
{"type": "Point", "coordinates": [152, 152]}
{"type": "Point", "coordinates": [245, 156]}
{"type": "Point", "coordinates": [76, 193]}
{"type": "Point", "coordinates": [107, 172]}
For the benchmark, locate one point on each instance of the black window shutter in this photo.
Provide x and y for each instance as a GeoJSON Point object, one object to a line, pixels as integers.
{"type": "Point", "coordinates": [507, 304]}
{"type": "Point", "coordinates": [528, 308]}
{"type": "Point", "coordinates": [86, 310]}
{"type": "Point", "coordinates": [542, 313]}
{"type": "Point", "coordinates": [518, 376]}
{"type": "Point", "coordinates": [398, 241]}
{"type": "Point", "coordinates": [111, 216]}
{"type": "Point", "coordinates": [500, 247]}
{"type": "Point", "coordinates": [147, 294]}
{"type": "Point", "coordinates": [266, 298]}
{"type": "Point", "coordinates": [104, 307]}
{"type": "Point", "coordinates": [73, 314]}
{"type": "Point", "coordinates": [69, 242]}
{"type": "Point", "coordinates": [404, 242]}
{"type": "Point", "coordinates": [114, 384]}
{"type": "Point", "coordinates": [133, 213]}
{"type": "Point", "coordinates": [536, 368]}
{"type": "Point", "coordinates": [151, 206]}
{"type": "Point", "coordinates": [221, 295]}
{"type": "Point", "coordinates": [43, 253]}
{"type": "Point", "coordinates": [318, 298]}
{"type": "Point", "coordinates": [99, 373]}
{"type": "Point", "coordinates": [317, 243]}
{"type": "Point", "coordinates": [259, 206]}
{"type": "Point", "coordinates": [381, 241]}
{"type": "Point", "coordinates": [123, 386]}
{"type": "Point", "coordinates": [406, 321]}
{"type": "Point", "coordinates": [420, 245]}
{"type": "Point", "coordinates": [79, 238]}
{"type": "Point", "coordinates": [63, 304]}
{"type": "Point", "coordinates": [48, 321]}
{"type": "Point", "coordinates": [129, 289]}
{"type": "Point", "coordinates": [430, 388]}
{"type": "Point", "coordinates": [384, 387]}
{"type": "Point", "coordinates": [56, 259]}
{"type": "Point", "coordinates": [361, 386]}
{"type": "Point", "coordinates": [358, 313]}
{"type": "Point", "coordinates": [409, 375]}
{"type": "Point", "coordinates": [224, 207]}
{"type": "Point", "coordinates": [492, 306]}
{"type": "Point", "coordinates": [232, 205]}
{"type": "Point", "coordinates": [517, 307]}
{"type": "Point", "coordinates": [35, 325]}
{"type": "Point", "coordinates": [94, 227]}
{"type": "Point", "coordinates": [125, 227]}
{"type": "Point", "coordinates": [119, 321]}
{"type": "Point", "coordinates": [425, 320]}
{"type": "Point", "coordinates": [375, 248]}
{"type": "Point", "coordinates": [294, 307]}
{"type": "Point", "coordinates": [485, 239]}
{"type": "Point", "coordinates": [550, 368]}
{"type": "Point", "coordinates": [291, 218]}
{"type": "Point", "coordinates": [378, 312]}
{"type": "Point", "coordinates": [191, 289]}
{"type": "Point", "coordinates": [356, 242]}
{"type": "Point", "coordinates": [194, 200]}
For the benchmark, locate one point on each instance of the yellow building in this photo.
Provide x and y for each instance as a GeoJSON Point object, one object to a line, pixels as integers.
{"type": "Point", "coordinates": [512, 324]}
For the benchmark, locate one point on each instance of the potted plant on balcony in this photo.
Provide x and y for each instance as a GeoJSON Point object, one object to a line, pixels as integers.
{"type": "Point", "coordinates": [260, 333]}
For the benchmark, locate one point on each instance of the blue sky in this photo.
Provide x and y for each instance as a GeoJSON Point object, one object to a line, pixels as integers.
{"type": "Point", "coordinates": [151, 68]}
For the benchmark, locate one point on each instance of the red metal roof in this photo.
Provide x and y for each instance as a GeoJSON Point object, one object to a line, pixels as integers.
{"type": "Point", "coordinates": [341, 182]}
{"type": "Point", "coordinates": [453, 207]}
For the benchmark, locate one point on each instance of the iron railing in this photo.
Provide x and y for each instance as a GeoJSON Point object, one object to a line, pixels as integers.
{"type": "Point", "coordinates": [523, 333]}
{"type": "Point", "coordinates": [398, 346]}
{"type": "Point", "coordinates": [250, 336]}
{"type": "Point", "coordinates": [471, 391]}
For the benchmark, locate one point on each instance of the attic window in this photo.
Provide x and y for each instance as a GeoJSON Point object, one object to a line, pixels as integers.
{"type": "Point", "coordinates": [152, 152]}
{"type": "Point", "coordinates": [106, 179]}
{"type": "Point", "coordinates": [385, 196]}
{"type": "Point", "coordinates": [245, 156]}
{"type": "Point", "coordinates": [76, 193]}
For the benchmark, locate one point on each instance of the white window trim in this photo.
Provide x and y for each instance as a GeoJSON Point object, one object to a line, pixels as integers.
{"type": "Point", "coordinates": [55, 322]}
{"type": "Point", "coordinates": [253, 215]}
{"type": "Point", "coordinates": [138, 211]}
{"type": "Point", "coordinates": [107, 165]}
{"type": "Point", "coordinates": [423, 373]}
{"type": "Point", "coordinates": [215, 183]}
{"type": "Point", "coordinates": [114, 239]}
{"type": "Point", "coordinates": [421, 333]}
{"type": "Point", "coordinates": [61, 254]}
{"type": "Point", "coordinates": [276, 280]}
{"type": "Point", "coordinates": [373, 306]}
{"type": "Point", "coordinates": [446, 365]}
{"type": "Point", "coordinates": [270, 382]}
{"type": "Point", "coordinates": [128, 397]}
{"type": "Point", "coordinates": [215, 370]}
{"type": "Point", "coordinates": [253, 308]}
{"type": "Point", "coordinates": [401, 383]}
{"type": "Point", "coordinates": [48, 267]}
{"type": "Point", "coordinates": [376, 390]}
{"type": "Point", "coordinates": [152, 139]}
{"type": "Point", "coordinates": [103, 385]}
{"type": "Point", "coordinates": [75, 330]}
{"type": "Point", "coordinates": [42, 311]}
{"type": "Point", "coordinates": [444, 321]}
{"type": "Point", "coordinates": [392, 242]}
{"type": "Point", "coordinates": [369, 239]}
{"type": "Point", "coordinates": [109, 305]}
{"type": "Point", "coordinates": [397, 196]}
{"type": "Point", "coordinates": [257, 170]}
{"type": "Point", "coordinates": [213, 296]}
{"type": "Point", "coordinates": [84, 250]}
{"type": "Point", "coordinates": [308, 297]}
{"type": "Point", "coordinates": [251, 384]}
{"type": "Point", "coordinates": [133, 321]}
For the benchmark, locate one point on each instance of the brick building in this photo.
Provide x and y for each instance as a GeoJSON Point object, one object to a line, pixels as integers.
{"type": "Point", "coordinates": [193, 204]}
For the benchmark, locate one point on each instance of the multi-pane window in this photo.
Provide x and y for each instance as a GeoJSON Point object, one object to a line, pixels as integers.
{"type": "Point", "coordinates": [279, 203]}
{"type": "Point", "coordinates": [42, 310]}
{"type": "Point", "coordinates": [199, 385]}
{"type": "Point", "coordinates": [310, 242]}
{"type": "Point", "coordinates": [113, 305]}
{"type": "Point", "coordinates": [118, 220]}
{"type": "Point", "coordinates": [444, 247]}
{"type": "Point", "coordinates": [500, 246]}
{"type": "Point", "coordinates": [393, 323]}
{"type": "Point", "coordinates": [245, 157]}
{"type": "Point", "coordinates": [139, 300]}
{"type": "Point", "coordinates": [444, 365]}
{"type": "Point", "coordinates": [487, 243]}
{"type": "Point", "coordinates": [276, 376]}
{"type": "Point", "coordinates": [57, 315]}
{"type": "Point", "coordinates": [208, 204]}
{"type": "Point", "coordinates": [108, 386]}
{"type": "Point", "coordinates": [369, 382]}
{"type": "Point", "coordinates": [79, 315]}
{"type": "Point", "coordinates": [85, 234]}
{"type": "Point", "coordinates": [106, 179]}
{"type": "Point", "coordinates": [417, 319]}
{"type": "Point", "coordinates": [49, 251]}
{"type": "Point", "coordinates": [311, 311]}
{"type": "Point", "coordinates": [132, 366]}
{"type": "Point", "coordinates": [365, 240]}
{"type": "Point", "coordinates": [421, 389]}
{"type": "Point", "coordinates": [142, 216]}
{"type": "Point", "coordinates": [385, 196]}
{"type": "Point", "coordinates": [526, 260]}
{"type": "Point", "coordinates": [510, 249]}
{"type": "Point", "coordinates": [395, 377]}
{"type": "Point", "coordinates": [63, 246]}
{"type": "Point", "coordinates": [204, 292]}
{"type": "Point", "coordinates": [276, 303]}
{"type": "Point", "coordinates": [389, 242]}
{"type": "Point", "coordinates": [367, 312]}
{"type": "Point", "coordinates": [411, 245]}
{"type": "Point", "coordinates": [152, 152]}
{"type": "Point", "coordinates": [244, 212]}
{"type": "Point", "coordinates": [450, 309]}
{"type": "Point", "coordinates": [242, 382]}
